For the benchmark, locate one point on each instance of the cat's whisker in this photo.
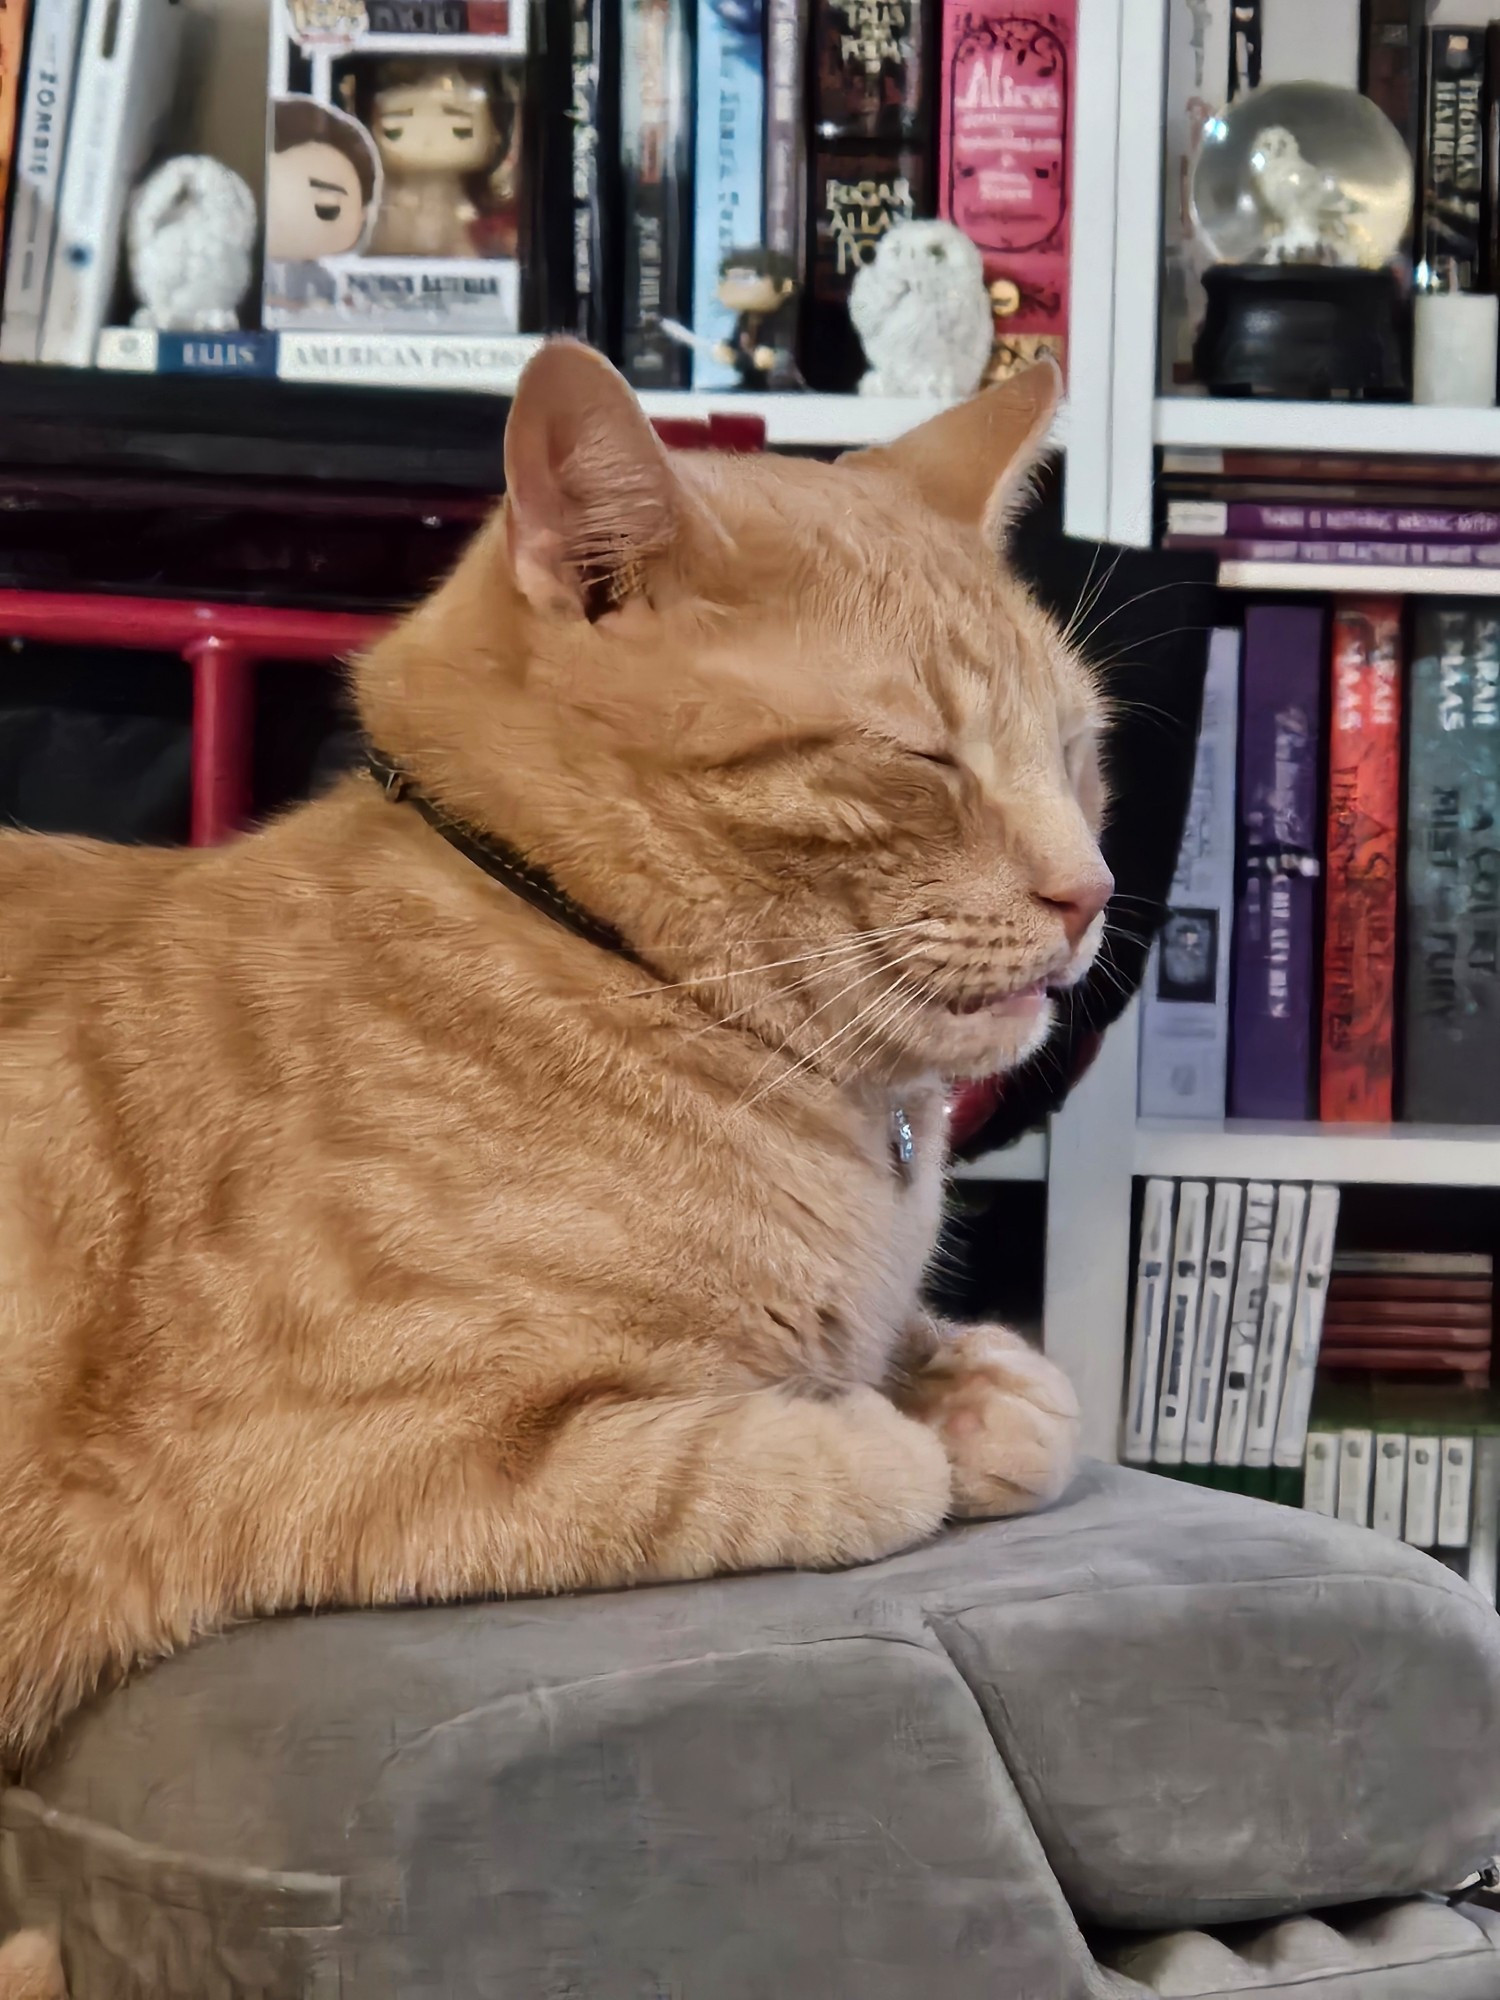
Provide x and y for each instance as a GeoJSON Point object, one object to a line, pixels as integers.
{"type": "Point", "coordinates": [1155, 590]}
{"type": "Point", "coordinates": [829, 1041]}
{"type": "Point", "coordinates": [776, 964]}
{"type": "Point", "coordinates": [797, 985]}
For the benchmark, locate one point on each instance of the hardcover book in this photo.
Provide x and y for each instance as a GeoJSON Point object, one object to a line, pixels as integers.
{"type": "Point", "coordinates": [656, 114]}
{"type": "Point", "coordinates": [1180, 1341]}
{"type": "Point", "coordinates": [1271, 1060]}
{"type": "Point", "coordinates": [1298, 520]}
{"type": "Point", "coordinates": [786, 129]}
{"type": "Point", "coordinates": [1364, 804]}
{"type": "Point", "coordinates": [1153, 1278]}
{"type": "Point", "coordinates": [592, 133]}
{"type": "Point", "coordinates": [728, 169]}
{"type": "Point", "coordinates": [1451, 248]}
{"type": "Point", "coordinates": [1185, 1002]}
{"type": "Point", "coordinates": [1245, 1311]}
{"type": "Point", "coordinates": [1452, 982]}
{"type": "Point", "coordinates": [1005, 156]}
{"type": "Point", "coordinates": [39, 154]}
{"type": "Point", "coordinates": [1213, 1321]}
{"type": "Point", "coordinates": [1366, 555]}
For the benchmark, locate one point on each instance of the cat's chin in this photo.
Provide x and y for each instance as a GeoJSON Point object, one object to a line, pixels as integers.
{"type": "Point", "coordinates": [989, 1040]}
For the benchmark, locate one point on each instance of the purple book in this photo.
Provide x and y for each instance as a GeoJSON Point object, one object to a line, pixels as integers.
{"type": "Point", "coordinates": [1287, 519]}
{"type": "Point", "coordinates": [1273, 1033]}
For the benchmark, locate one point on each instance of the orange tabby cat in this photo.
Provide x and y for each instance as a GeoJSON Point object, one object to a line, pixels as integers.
{"type": "Point", "coordinates": [366, 1234]}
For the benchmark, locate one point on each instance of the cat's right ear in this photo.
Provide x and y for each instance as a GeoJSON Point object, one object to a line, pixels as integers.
{"type": "Point", "coordinates": [590, 497]}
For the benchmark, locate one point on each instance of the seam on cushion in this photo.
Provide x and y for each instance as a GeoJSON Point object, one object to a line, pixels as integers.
{"type": "Point", "coordinates": [1287, 1981]}
{"type": "Point", "coordinates": [1447, 1593]}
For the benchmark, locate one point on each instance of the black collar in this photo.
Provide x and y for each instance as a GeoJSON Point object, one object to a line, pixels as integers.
{"type": "Point", "coordinates": [526, 879]}
{"type": "Point", "coordinates": [504, 863]}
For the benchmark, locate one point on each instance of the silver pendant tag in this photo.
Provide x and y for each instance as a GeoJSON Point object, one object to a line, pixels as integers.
{"type": "Point", "coordinates": [903, 1143]}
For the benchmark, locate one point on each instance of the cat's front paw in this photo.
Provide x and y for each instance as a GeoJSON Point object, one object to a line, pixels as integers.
{"type": "Point", "coordinates": [1007, 1417]}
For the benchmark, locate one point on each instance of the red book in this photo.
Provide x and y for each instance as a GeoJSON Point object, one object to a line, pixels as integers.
{"type": "Point", "coordinates": [1005, 148]}
{"type": "Point", "coordinates": [1364, 803]}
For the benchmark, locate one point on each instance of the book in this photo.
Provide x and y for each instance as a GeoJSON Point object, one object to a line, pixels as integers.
{"type": "Point", "coordinates": [1360, 907]}
{"type": "Point", "coordinates": [1274, 1339]}
{"type": "Point", "coordinates": [1421, 1492]}
{"type": "Point", "coordinates": [728, 167]}
{"type": "Point", "coordinates": [1197, 80]}
{"type": "Point", "coordinates": [1388, 1493]}
{"type": "Point", "coordinates": [1455, 1490]}
{"type": "Point", "coordinates": [1245, 1310]}
{"type": "Point", "coordinates": [1473, 1265]}
{"type": "Point", "coordinates": [1362, 554]}
{"type": "Point", "coordinates": [39, 152]}
{"type": "Point", "coordinates": [377, 360]}
{"type": "Point", "coordinates": [13, 15]}
{"type": "Point", "coordinates": [1287, 520]}
{"type": "Point", "coordinates": [593, 137]}
{"type": "Point", "coordinates": [1356, 1466]}
{"type": "Point", "coordinates": [1358, 469]}
{"type": "Point", "coordinates": [1184, 1047]}
{"type": "Point", "coordinates": [1182, 1321]}
{"type": "Point", "coordinates": [1307, 1326]}
{"type": "Point", "coordinates": [1450, 248]}
{"type": "Point", "coordinates": [1004, 145]}
{"type": "Point", "coordinates": [1219, 1261]}
{"type": "Point", "coordinates": [1152, 1278]}
{"type": "Point", "coordinates": [1320, 1488]}
{"type": "Point", "coordinates": [1391, 33]}
{"type": "Point", "coordinates": [1452, 973]}
{"type": "Point", "coordinates": [1489, 202]}
{"type": "Point", "coordinates": [786, 129]}
{"type": "Point", "coordinates": [656, 116]}
{"type": "Point", "coordinates": [127, 67]}
{"type": "Point", "coordinates": [1484, 1525]}
{"type": "Point", "coordinates": [1272, 1042]}
{"type": "Point", "coordinates": [870, 161]}
{"type": "Point", "coordinates": [1453, 1364]}
{"type": "Point", "coordinates": [1460, 1318]}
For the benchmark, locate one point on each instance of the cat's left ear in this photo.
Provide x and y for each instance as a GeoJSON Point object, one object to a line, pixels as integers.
{"type": "Point", "coordinates": [590, 496]}
{"type": "Point", "coordinates": [974, 463]}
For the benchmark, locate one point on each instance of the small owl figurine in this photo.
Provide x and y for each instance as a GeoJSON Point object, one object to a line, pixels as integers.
{"type": "Point", "coordinates": [922, 313]}
{"type": "Point", "coordinates": [1305, 202]}
{"type": "Point", "coordinates": [190, 239]}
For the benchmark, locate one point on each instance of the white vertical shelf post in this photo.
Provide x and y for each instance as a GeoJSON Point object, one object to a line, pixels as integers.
{"type": "Point", "coordinates": [1096, 113]}
{"type": "Point", "coordinates": [1090, 1163]}
{"type": "Point", "coordinates": [1137, 270]}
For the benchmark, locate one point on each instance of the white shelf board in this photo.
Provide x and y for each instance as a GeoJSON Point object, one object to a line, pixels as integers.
{"type": "Point", "coordinates": [1245, 1149]}
{"type": "Point", "coordinates": [831, 421]}
{"type": "Point", "coordinates": [1258, 424]}
{"type": "Point", "coordinates": [1360, 579]}
{"type": "Point", "coordinates": [1025, 1160]}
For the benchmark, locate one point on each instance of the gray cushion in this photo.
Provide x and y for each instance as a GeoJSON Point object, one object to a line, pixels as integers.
{"type": "Point", "coordinates": [1193, 1707]}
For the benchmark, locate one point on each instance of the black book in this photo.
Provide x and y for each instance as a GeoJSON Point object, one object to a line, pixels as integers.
{"type": "Point", "coordinates": [1451, 248]}
{"type": "Point", "coordinates": [656, 137]}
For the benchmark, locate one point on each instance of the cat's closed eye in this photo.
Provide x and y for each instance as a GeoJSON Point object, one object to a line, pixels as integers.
{"type": "Point", "coordinates": [943, 758]}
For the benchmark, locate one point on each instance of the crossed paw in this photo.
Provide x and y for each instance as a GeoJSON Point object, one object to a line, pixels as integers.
{"type": "Point", "coordinates": [1007, 1417]}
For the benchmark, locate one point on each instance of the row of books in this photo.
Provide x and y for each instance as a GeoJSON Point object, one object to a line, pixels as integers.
{"type": "Point", "coordinates": [1438, 83]}
{"type": "Point", "coordinates": [691, 185]}
{"type": "Point", "coordinates": [1327, 954]}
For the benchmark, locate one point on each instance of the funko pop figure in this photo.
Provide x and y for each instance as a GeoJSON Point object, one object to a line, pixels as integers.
{"type": "Point", "coordinates": [443, 130]}
{"type": "Point", "coordinates": [322, 181]}
{"type": "Point", "coordinates": [759, 287]}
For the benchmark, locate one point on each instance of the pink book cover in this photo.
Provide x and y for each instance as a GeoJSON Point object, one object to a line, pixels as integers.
{"type": "Point", "coordinates": [1005, 153]}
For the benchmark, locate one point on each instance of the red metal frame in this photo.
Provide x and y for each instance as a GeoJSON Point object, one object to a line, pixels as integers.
{"type": "Point", "coordinates": [223, 643]}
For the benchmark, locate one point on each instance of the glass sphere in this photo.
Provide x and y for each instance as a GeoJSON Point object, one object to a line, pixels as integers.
{"type": "Point", "coordinates": [1302, 173]}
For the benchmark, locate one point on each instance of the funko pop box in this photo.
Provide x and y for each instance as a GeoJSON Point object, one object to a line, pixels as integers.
{"type": "Point", "coordinates": [395, 166]}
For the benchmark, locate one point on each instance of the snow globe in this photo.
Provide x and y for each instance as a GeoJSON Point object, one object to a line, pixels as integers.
{"type": "Point", "coordinates": [1302, 198]}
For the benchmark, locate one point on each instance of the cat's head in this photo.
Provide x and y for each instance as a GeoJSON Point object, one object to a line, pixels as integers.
{"type": "Point", "coordinates": [793, 728]}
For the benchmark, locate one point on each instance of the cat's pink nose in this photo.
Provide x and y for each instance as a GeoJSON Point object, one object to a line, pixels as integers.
{"type": "Point", "coordinates": [1078, 900]}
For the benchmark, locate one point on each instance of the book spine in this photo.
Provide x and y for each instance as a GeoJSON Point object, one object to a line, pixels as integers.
{"type": "Point", "coordinates": [1152, 1278]}
{"type": "Point", "coordinates": [1364, 802]}
{"type": "Point", "coordinates": [786, 127]}
{"type": "Point", "coordinates": [38, 171]}
{"type": "Point", "coordinates": [1307, 1327]}
{"type": "Point", "coordinates": [1489, 207]}
{"type": "Point", "coordinates": [590, 97]}
{"type": "Point", "coordinates": [729, 169]}
{"type": "Point", "coordinates": [1197, 79]}
{"type": "Point", "coordinates": [1245, 1312]}
{"type": "Point", "coordinates": [1365, 555]}
{"type": "Point", "coordinates": [140, 351]}
{"type": "Point", "coordinates": [1275, 1323]}
{"type": "Point", "coordinates": [655, 132]}
{"type": "Point", "coordinates": [12, 56]}
{"type": "Point", "coordinates": [1356, 1456]}
{"type": "Point", "coordinates": [1005, 151]}
{"type": "Point", "coordinates": [1388, 1503]}
{"type": "Point", "coordinates": [1453, 176]}
{"type": "Point", "coordinates": [1185, 1006]}
{"type": "Point", "coordinates": [1484, 1528]}
{"type": "Point", "coordinates": [394, 360]}
{"type": "Point", "coordinates": [1213, 1322]}
{"type": "Point", "coordinates": [1391, 64]}
{"type": "Point", "coordinates": [1320, 1487]}
{"type": "Point", "coordinates": [1455, 1492]}
{"type": "Point", "coordinates": [871, 164]}
{"type": "Point", "coordinates": [1421, 1492]}
{"type": "Point", "coordinates": [1288, 521]}
{"type": "Point", "coordinates": [1182, 1321]}
{"type": "Point", "coordinates": [1452, 974]}
{"type": "Point", "coordinates": [1271, 1065]}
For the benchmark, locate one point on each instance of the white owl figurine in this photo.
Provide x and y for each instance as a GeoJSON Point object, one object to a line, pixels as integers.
{"type": "Point", "coordinates": [1306, 203]}
{"type": "Point", "coordinates": [191, 243]}
{"type": "Point", "coordinates": [922, 313]}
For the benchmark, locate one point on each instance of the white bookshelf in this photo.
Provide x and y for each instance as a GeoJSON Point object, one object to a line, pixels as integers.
{"type": "Point", "coordinates": [1400, 1155]}
{"type": "Point", "coordinates": [814, 422]}
{"type": "Point", "coordinates": [1025, 1160]}
{"type": "Point", "coordinates": [1225, 423]}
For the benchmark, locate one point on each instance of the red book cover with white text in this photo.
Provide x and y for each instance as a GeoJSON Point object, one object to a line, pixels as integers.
{"type": "Point", "coordinates": [1005, 156]}
{"type": "Point", "coordinates": [1364, 799]}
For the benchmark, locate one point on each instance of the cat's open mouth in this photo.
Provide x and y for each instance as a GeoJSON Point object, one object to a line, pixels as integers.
{"type": "Point", "coordinates": [1023, 1003]}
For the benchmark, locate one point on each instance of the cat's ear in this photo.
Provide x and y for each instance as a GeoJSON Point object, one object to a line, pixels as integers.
{"type": "Point", "coordinates": [590, 496]}
{"type": "Point", "coordinates": [974, 463]}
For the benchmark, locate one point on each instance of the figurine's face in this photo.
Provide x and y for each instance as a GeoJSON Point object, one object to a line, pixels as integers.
{"type": "Point", "coordinates": [750, 292]}
{"type": "Point", "coordinates": [313, 204]}
{"type": "Point", "coordinates": [442, 126]}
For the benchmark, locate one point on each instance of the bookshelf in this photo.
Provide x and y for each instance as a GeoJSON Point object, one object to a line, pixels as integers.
{"type": "Point", "coordinates": [814, 422]}
{"type": "Point", "coordinates": [1353, 1155]}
